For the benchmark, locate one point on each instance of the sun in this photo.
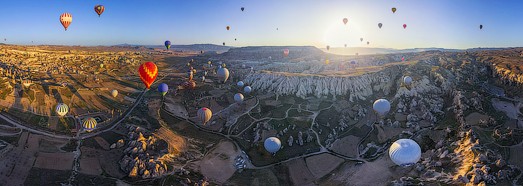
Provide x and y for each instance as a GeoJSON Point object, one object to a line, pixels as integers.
{"type": "Point", "coordinates": [338, 34]}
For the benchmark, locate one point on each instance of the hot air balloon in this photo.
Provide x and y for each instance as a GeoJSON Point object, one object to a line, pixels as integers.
{"type": "Point", "coordinates": [480, 27]}
{"type": "Point", "coordinates": [163, 88]}
{"type": "Point", "coordinates": [361, 39]}
{"type": "Point", "coordinates": [328, 47]}
{"type": "Point", "coordinates": [204, 115]}
{"type": "Point", "coordinates": [402, 58]}
{"type": "Point", "coordinates": [285, 52]}
{"type": "Point", "coordinates": [404, 26]}
{"type": "Point", "coordinates": [242, 9]}
{"type": "Point", "coordinates": [114, 93]}
{"type": "Point", "coordinates": [101, 65]}
{"type": "Point", "coordinates": [247, 89]}
{"type": "Point", "coordinates": [380, 25]}
{"type": "Point", "coordinates": [407, 80]}
{"type": "Point", "coordinates": [240, 84]}
{"type": "Point", "coordinates": [381, 106]}
{"type": "Point", "coordinates": [89, 124]}
{"type": "Point", "coordinates": [99, 9]}
{"type": "Point", "coordinates": [66, 19]}
{"type": "Point", "coordinates": [394, 10]}
{"type": "Point", "coordinates": [405, 152]}
{"type": "Point", "coordinates": [62, 109]}
{"type": "Point", "coordinates": [368, 43]}
{"type": "Point", "coordinates": [272, 145]}
{"type": "Point", "coordinates": [238, 97]}
{"type": "Point", "coordinates": [223, 43]}
{"type": "Point", "coordinates": [235, 39]}
{"type": "Point", "coordinates": [148, 72]}
{"type": "Point", "coordinates": [228, 27]}
{"type": "Point", "coordinates": [345, 20]}
{"type": "Point", "coordinates": [203, 78]}
{"type": "Point", "coordinates": [223, 75]}
{"type": "Point", "coordinates": [167, 44]}
{"type": "Point", "coordinates": [345, 45]}
{"type": "Point", "coordinates": [327, 61]}
{"type": "Point", "coordinates": [190, 74]}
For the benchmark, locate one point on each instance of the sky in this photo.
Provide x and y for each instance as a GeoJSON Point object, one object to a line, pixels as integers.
{"type": "Point", "coordinates": [441, 23]}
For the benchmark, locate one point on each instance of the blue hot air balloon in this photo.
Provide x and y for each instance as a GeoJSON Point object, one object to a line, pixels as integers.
{"type": "Point", "coordinates": [272, 144]}
{"type": "Point", "coordinates": [162, 88]}
{"type": "Point", "coordinates": [167, 44]}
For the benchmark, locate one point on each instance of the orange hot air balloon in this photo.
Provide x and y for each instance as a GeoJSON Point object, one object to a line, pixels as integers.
{"type": "Point", "coordinates": [404, 26]}
{"type": "Point", "coordinates": [228, 27]}
{"type": "Point", "coordinates": [148, 72]}
{"type": "Point", "coordinates": [66, 19]}
{"type": "Point", "coordinates": [99, 9]}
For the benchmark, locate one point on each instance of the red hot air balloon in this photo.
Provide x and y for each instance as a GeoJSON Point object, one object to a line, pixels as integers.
{"type": "Point", "coordinates": [99, 9]}
{"type": "Point", "coordinates": [66, 19]}
{"type": "Point", "coordinates": [148, 72]}
{"type": "Point", "coordinates": [345, 21]}
{"type": "Point", "coordinates": [404, 26]}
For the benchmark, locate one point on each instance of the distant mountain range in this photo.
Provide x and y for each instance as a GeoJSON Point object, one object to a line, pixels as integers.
{"type": "Point", "coordinates": [366, 50]}
{"type": "Point", "coordinates": [193, 47]}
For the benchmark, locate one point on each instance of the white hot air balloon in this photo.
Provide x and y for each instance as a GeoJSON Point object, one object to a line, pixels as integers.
{"type": "Point", "coordinates": [203, 78]}
{"type": "Point", "coordinates": [381, 106]}
{"type": "Point", "coordinates": [62, 109]}
{"type": "Point", "coordinates": [407, 80]}
{"type": "Point", "coordinates": [405, 152]}
{"type": "Point", "coordinates": [247, 89]}
{"type": "Point", "coordinates": [114, 93]}
{"type": "Point", "coordinates": [204, 114]}
{"type": "Point", "coordinates": [240, 84]}
{"type": "Point", "coordinates": [238, 97]}
{"type": "Point", "coordinates": [272, 144]}
{"type": "Point", "coordinates": [223, 75]}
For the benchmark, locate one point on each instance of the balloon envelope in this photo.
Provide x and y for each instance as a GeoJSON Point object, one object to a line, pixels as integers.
{"type": "Point", "coordinates": [407, 80]}
{"type": "Point", "coordinates": [238, 97]}
{"type": "Point", "coordinates": [223, 75]}
{"type": "Point", "coordinates": [163, 88]}
{"type": "Point", "coordinates": [240, 84]}
{"type": "Point", "coordinates": [380, 25]}
{"type": "Point", "coordinates": [204, 114]}
{"type": "Point", "coordinates": [480, 26]}
{"type": "Point", "coordinates": [99, 9]}
{"type": "Point", "coordinates": [247, 89]}
{"type": "Point", "coordinates": [66, 19]}
{"type": "Point", "coordinates": [89, 124]}
{"type": "Point", "coordinates": [62, 109]}
{"type": "Point", "coordinates": [272, 144]}
{"type": "Point", "coordinates": [405, 152]}
{"type": "Point", "coordinates": [242, 9]}
{"type": "Point", "coordinates": [167, 44]}
{"type": "Point", "coordinates": [381, 106]}
{"type": "Point", "coordinates": [114, 93]}
{"type": "Point", "coordinates": [148, 72]}
{"type": "Point", "coordinates": [404, 26]}
{"type": "Point", "coordinates": [361, 39]}
{"type": "Point", "coordinates": [286, 52]}
{"type": "Point", "coordinates": [345, 20]}
{"type": "Point", "coordinates": [394, 10]}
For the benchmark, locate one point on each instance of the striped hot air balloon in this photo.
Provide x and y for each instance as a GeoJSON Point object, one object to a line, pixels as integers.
{"type": "Point", "coordinates": [405, 152]}
{"type": "Point", "coordinates": [89, 124]}
{"type": "Point", "coordinates": [204, 115]}
{"type": "Point", "coordinates": [148, 72]}
{"type": "Point", "coordinates": [62, 109]}
{"type": "Point", "coordinates": [66, 19]}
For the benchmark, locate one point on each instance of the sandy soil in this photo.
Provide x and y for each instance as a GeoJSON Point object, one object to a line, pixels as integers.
{"type": "Point", "coordinates": [104, 144]}
{"type": "Point", "coordinates": [176, 108]}
{"type": "Point", "coordinates": [347, 146]}
{"type": "Point", "coordinates": [385, 133]}
{"type": "Point", "coordinates": [299, 173]}
{"type": "Point", "coordinates": [321, 165]}
{"type": "Point", "coordinates": [218, 164]}
{"type": "Point", "coordinates": [379, 172]}
{"type": "Point", "coordinates": [55, 161]}
{"type": "Point", "coordinates": [175, 141]}
{"type": "Point", "coordinates": [15, 164]}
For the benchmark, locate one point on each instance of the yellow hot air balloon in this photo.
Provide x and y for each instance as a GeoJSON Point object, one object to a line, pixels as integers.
{"type": "Point", "coordinates": [89, 124]}
{"type": "Point", "coordinates": [62, 109]}
{"type": "Point", "coordinates": [204, 115]}
{"type": "Point", "coordinates": [327, 62]}
{"type": "Point", "coordinates": [114, 93]}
